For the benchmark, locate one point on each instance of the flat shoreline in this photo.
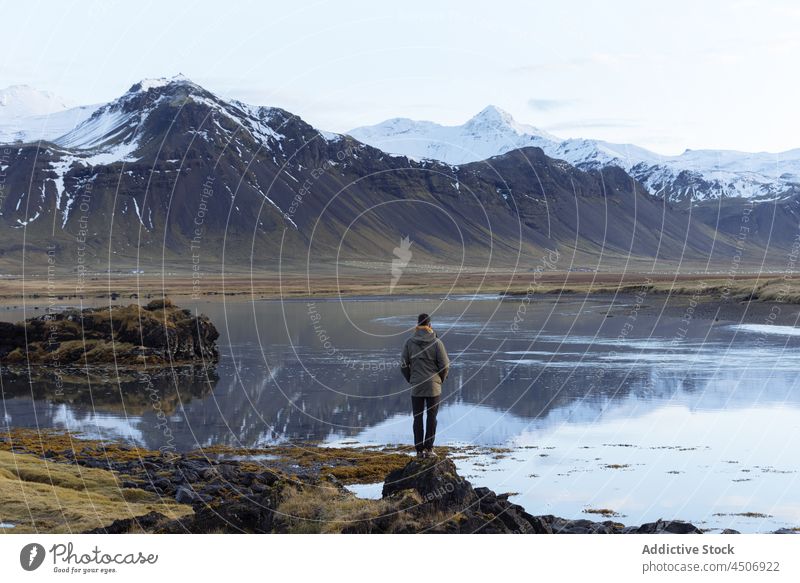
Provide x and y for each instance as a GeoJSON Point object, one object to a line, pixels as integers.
{"type": "Point", "coordinates": [242, 287]}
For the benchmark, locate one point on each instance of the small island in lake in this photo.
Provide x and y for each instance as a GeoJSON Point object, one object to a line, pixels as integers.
{"type": "Point", "coordinates": [156, 334]}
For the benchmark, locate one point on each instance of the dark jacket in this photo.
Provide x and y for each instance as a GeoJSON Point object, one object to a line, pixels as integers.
{"type": "Point", "coordinates": [425, 364]}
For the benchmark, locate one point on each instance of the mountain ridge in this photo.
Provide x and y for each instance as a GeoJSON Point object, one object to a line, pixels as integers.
{"type": "Point", "coordinates": [692, 176]}
{"type": "Point", "coordinates": [689, 177]}
{"type": "Point", "coordinates": [169, 170]}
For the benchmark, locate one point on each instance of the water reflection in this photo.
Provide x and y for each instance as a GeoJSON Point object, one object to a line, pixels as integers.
{"type": "Point", "coordinates": [286, 374]}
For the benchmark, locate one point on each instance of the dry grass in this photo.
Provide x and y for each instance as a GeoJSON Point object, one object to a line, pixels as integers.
{"type": "Point", "coordinates": [46, 497]}
{"type": "Point", "coordinates": [325, 509]}
{"type": "Point", "coordinates": [363, 282]}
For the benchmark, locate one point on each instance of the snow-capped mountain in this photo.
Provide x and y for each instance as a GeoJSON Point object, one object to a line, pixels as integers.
{"type": "Point", "coordinates": [169, 170]}
{"type": "Point", "coordinates": [692, 176]}
{"type": "Point", "coordinates": [24, 101]}
{"type": "Point", "coordinates": [154, 118]}
{"type": "Point", "coordinates": [491, 132]}
{"type": "Point", "coordinates": [27, 115]}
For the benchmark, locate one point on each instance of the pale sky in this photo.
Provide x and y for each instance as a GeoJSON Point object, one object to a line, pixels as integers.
{"type": "Point", "coordinates": [663, 75]}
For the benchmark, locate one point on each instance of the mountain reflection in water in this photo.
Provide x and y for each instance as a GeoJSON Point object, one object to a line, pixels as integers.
{"type": "Point", "coordinates": [281, 378]}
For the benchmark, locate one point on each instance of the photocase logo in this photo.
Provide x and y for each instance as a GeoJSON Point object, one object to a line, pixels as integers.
{"type": "Point", "coordinates": [400, 261]}
{"type": "Point", "coordinates": [31, 556]}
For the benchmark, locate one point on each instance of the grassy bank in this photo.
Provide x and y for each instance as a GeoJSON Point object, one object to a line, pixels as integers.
{"type": "Point", "coordinates": [123, 288]}
{"type": "Point", "coordinates": [38, 495]}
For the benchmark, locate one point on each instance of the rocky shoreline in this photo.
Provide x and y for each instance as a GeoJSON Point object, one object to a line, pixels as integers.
{"type": "Point", "coordinates": [158, 334]}
{"type": "Point", "coordinates": [302, 489]}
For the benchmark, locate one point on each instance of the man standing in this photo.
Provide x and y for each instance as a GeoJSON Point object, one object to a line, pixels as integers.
{"type": "Point", "coordinates": [425, 365]}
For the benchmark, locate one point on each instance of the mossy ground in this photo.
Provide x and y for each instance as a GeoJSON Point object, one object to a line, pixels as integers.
{"type": "Point", "coordinates": [348, 465]}
{"type": "Point", "coordinates": [39, 495]}
{"type": "Point", "coordinates": [63, 446]}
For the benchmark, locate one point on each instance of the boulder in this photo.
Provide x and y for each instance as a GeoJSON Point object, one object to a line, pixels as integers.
{"type": "Point", "coordinates": [665, 527]}
{"type": "Point", "coordinates": [432, 492]}
{"type": "Point", "coordinates": [187, 495]}
{"type": "Point", "coordinates": [581, 526]}
{"type": "Point", "coordinates": [504, 516]}
{"type": "Point", "coordinates": [437, 482]}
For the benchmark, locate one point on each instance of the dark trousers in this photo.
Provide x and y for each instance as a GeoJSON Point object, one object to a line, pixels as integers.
{"type": "Point", "coordinates": [419, 405]}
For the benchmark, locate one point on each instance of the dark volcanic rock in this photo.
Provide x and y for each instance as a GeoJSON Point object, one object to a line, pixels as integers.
{"type": "Point", "coordinates": [186, 495]}
{"type": "Point", "coordinates": [242, 514]}
{"type": "Point", "coordinates": [146, 523]}
{"type": "Point", "coordinates": [159, 333]}
{"type": "Point", "coordinates": [665, 526]}
{"type": "Point", "coordinates": [439, 490]}
{"type": "Point", "coordinates": [508, 517]}
{"type": "Point", "coordinates": [437, 482]}
{"type": "Point", "coordinates": [581, 526]}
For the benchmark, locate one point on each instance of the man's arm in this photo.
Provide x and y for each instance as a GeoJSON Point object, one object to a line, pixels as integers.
{"type": "Point", "coordinates": [405, 364]}
{"type": "Point", "coordinates": [442, 360]}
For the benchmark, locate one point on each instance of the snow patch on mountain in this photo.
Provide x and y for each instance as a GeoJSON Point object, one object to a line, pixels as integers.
{"type": "Point", "coordinates": [330, 136]}
{"type": "Point", "coordinates": [104, 126]}
{"type": "Point", "coordinates": [256, 119]}
{"type": "Point", "coordinates": [27, 222]}
{"type": "Point", "coordinates": [110, 135]}
{"type": "Point", "coordinates": [146, 85]}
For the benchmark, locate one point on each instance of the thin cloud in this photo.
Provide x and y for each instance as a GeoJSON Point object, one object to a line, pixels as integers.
{"type": "Point", "coordinates": [555, 65]}
{"type": "Point", "coordinates": [549, 104]}
{"type": "Point", "coordinates": [594, 123]}
{"type": "Point", "coordinates": [591, 61]}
